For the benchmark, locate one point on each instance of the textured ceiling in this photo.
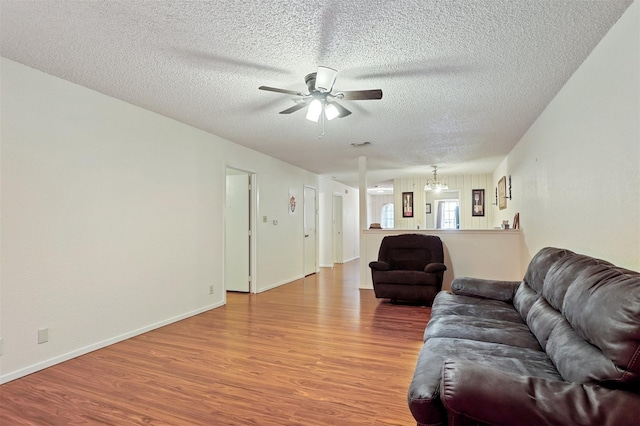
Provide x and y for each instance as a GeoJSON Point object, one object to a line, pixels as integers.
{"type": "Point", "coordinates": [462, 80]}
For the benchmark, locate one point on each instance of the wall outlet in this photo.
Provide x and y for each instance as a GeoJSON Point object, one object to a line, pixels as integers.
{"type": "Point", "coordinates": [43, 335]}
{"type": "Point", "coordinates": [210, 289]}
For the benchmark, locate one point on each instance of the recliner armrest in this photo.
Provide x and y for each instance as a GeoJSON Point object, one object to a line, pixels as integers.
{"type": "Point", "coordinates": [435, 267]}
{"type": "Point", "coordinates": [489, 289]}
{"type": "Point", "coordinates": [474, 393]}
{"type": "Point", "coordinates": [379, 266]}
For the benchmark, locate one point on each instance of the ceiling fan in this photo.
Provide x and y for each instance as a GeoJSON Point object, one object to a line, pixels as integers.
{"type": "Point", "coordinates": [320, 98]}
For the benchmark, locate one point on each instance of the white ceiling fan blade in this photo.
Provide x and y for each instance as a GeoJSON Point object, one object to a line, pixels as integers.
{"type": "Point", "coordinates": [325, 77]}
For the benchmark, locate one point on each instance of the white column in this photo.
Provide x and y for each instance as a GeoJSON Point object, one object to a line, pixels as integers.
{"type": "Point", "coordinates": [362, 170]}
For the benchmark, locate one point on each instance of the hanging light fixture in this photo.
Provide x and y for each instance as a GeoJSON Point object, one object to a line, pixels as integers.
{"type": "Point", "coordinates": [435, 184]}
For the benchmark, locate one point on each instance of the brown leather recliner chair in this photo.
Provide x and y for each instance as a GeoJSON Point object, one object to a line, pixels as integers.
{"type": "Point", "coordinates": [410, 267]}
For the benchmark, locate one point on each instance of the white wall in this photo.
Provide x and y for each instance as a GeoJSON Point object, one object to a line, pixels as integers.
{"type": "Point", "coordinates": [461, 183]}
{"type": "Point", "coordinates": [576, 171]}
{"type": "Point", "coordinates": [113, 219]}
{"type": "Point", "coordinates": [350, 231]}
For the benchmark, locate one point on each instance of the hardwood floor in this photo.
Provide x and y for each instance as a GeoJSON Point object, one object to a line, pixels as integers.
{"type": "Point", "coordinates": [317, 351]}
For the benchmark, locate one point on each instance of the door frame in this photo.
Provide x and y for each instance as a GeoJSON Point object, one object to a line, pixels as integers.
{"type": "Point", "coordinates": [334, 239]}
{"type": "Point", "coordinates": [253, 208]}
{"type": "Point", "coordinates": [315, 225]}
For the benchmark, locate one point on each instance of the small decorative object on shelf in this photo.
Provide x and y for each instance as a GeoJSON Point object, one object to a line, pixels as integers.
{"type": "Point", "coordinates": [505, 224]}
{"type": "Point", "coordinates": [516, 221]}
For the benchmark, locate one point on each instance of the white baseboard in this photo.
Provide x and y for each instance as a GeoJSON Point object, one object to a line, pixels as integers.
{"type": "Point", "coordinates": [278, 284]}
{"type": "Point", "coordinates": [99, 345]}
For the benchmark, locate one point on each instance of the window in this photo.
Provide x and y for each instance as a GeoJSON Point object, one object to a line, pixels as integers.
{"type": "Point", "coordinates": [448, 214]}
{"type": "Point", "coordinates": [386, 221]}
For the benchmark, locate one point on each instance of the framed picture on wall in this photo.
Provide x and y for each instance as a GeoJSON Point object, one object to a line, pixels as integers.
{"type": "Point", "coordinates": [407, 204]}
{"type": "Point", "coordinates": [502, 193]}
{"type": "Point", "coordinates": [427, 208]}
{"type": "Point", "coordinates": [477, 198]}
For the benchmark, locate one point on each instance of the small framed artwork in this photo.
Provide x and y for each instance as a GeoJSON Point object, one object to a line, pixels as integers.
{"type": "Point", "coordinates": [427, 208]}
{"type": "Point", "coordinates": [477, 197]}
{"type": "Point", "coordinates": [407, 204]}
{"type": "Point", "coordinates": [502, 193]}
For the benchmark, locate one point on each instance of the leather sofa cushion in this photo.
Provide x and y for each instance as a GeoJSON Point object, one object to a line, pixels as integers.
{"type": "Point", "coordinates": [524, 299]}
{"type": "Point", "coordinates": [566, 272]}
{"type": "Point", "coordinates": [542, 319]}
{"type": "Point", "coordinates": [600, 339]}
{"type": "Point", "coordinates": [481, 329]}
{"type": "Point", "coordinates": [530, 289]}
{"type": "Point", "coordinates": [424, 399]}
{"type": "Point", "coordinates": [474, 394]}
{"type": "Point", "coordinates": [446, 303]}
{"type": "Point", "coordinates": [503, 291]}
{"type": "Point", "coordinates": [540, 264]}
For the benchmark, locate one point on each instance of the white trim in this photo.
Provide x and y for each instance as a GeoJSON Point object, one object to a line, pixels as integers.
{"type": "Point", "coordinates": [278, 284]}
{"type": "Point", "coordinates": [99, 345]}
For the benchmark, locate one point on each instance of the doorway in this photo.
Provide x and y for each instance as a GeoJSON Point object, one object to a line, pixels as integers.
{"type": "Point", "coordinates": [237, 235]}
{"type": "Point", "coordinates": [338, 256]}
{"type": "Point", "coordinates": [310, 233]}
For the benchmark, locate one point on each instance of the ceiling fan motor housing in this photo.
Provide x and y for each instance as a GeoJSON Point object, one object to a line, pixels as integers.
{"type": "Point", "coordinates": [310, 80]}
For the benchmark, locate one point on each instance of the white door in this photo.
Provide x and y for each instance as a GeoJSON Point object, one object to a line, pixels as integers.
{"type": "Point", "coordinates": [338, 256]}
{"type": "Point", "coordinates": [310, 234]}
{"type": "Point", "coordinates": [237, 231]}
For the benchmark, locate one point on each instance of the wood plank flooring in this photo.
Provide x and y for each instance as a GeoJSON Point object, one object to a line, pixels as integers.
{"type": "Point", "coordinates": [317, 351]}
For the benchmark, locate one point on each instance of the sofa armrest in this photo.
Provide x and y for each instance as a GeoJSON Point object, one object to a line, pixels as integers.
{"type": "Point", "coordinates": [474, 393]}
{"type": "Point", "coordinates": [435, 267]}
{"type": "Point", "coordinates": [379, 266]}
{"type": "Point", "coordinates": [489, 289]}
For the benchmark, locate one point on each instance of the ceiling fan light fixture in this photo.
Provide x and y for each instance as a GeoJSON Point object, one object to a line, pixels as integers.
{"type": "Point", "coordinates": [320, 99]}
{"type": "Point", "coordinates": [331, 111]}
{"type": "Point", "coordinates": [325, 77]}
{"type": "Point", "coordinates": [314, 110]}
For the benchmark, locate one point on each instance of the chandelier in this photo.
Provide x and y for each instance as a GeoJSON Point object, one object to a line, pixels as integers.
{"type": "Point", "coordinates": [435, 184]}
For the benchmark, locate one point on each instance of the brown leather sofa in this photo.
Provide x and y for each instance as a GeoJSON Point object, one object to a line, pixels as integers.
{"type": "Point", "coordinates": [562, 347]}
{"type": "Point", "coordinates": [410, 267]}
